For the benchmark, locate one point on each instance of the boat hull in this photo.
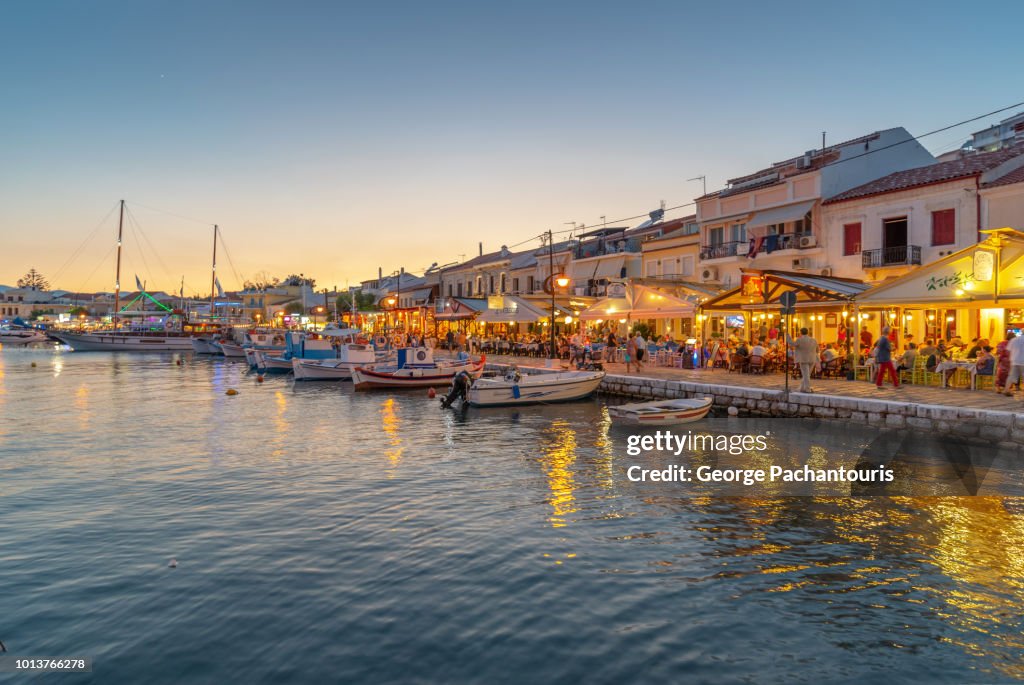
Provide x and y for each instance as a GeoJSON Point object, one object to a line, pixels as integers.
{"type": "Point", "coordinates": [368, 379]}
{"type": "Point", "coordinates": [540, 389]}
{"type": "Point", "coordinates": [119, 342]}
{"type": "Point", "coordinates": [233, 350]}
{"type": "Point", "coordinates": [205, 346]}
{"type": "Point", "coordinates": [664, 413]}
{"type": "Point", "coordinates": [20, 339]}
{"type": "Point", "coordinates": [323, 370]}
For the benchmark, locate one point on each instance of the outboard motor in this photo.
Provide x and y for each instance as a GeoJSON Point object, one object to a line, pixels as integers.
{"type": "Point", "coordinates": [459, 389]}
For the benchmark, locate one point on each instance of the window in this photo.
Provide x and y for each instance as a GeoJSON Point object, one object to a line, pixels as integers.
{"type": "Point", "coordinates": [776, 229]}
{"type": "Point", "coordinates": [738, 233]}
{"type": "Point", "coordinates": [944, 227]}
{"type": "Point", "coordinates": [652, 268]}
{"type": "Point", "coordinates": [515, 285]}
{"type": "Point", "coordinates": [459, 288]}
{"type": "Point", "coordinates": [716, 235]}
{"type": "Point", "coordinates": [687, 268]}
{"type": "Point", "coordinates": [469, 288]}
{"type": "Point", "coordinates": [851, 238]}
{"type": "Point", "coordinates": [690, 228]}
{"type": "Point", "coordinates": [450, 290]}
{"type": "Point", "coordinates": [504, 280]}
{"type": "Point", "coordinates": [479, 285]}
{"type": "Point", "coordinates": [803, 225]}
{"type": "Point", "coordinates": [530, 284]}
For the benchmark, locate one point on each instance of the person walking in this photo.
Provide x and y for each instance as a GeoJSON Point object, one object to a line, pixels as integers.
{"type": "Point", "coordinates": [631, 353]}
{"type": "Point", "coordinates": [883, 357]}
{"type": "Point", "coordinates": [805, 354]}
{"type": "Point", "coordinates": [641, 349]}
{"type": "Point", "coordinates": [1016, 349]}
{"type": "Point", "coordinates": [1003, 362]}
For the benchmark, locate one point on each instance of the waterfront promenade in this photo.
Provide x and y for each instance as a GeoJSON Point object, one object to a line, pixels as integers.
{"type": "Point", "coordinates": [980, 414]}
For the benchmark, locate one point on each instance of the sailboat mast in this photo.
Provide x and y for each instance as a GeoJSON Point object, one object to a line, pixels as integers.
{"type": "Point", "coordinates": [117, 275]}
{"type": "Point", "coordinates": [213, 275]}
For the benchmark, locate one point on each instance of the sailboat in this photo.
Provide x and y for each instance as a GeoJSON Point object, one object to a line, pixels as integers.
{"type": "Point", "coordinates": [168, 333]}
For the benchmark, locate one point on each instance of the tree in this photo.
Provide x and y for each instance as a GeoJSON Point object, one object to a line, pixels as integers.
{"type": "Point", "coordinates": [299, 279]}
{"type": "Point", "coordinates": [293, 308]}
{"type": "Point", "coordinates": [261, 281]}
{"type": "Point", "coordinates": [364, 302]}
{"type": "Point", "coordinates": [33, 280]}
{"type": "Point", "coordinates": [78, 311]}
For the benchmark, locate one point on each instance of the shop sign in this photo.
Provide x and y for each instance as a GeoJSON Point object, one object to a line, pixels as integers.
{"type": "Point", "coordinates": [495, 301]}
{"type": "Point", "coordinates": [957, 280]}
{"type": "Point", "coordinates": [984, 262]}
{"type": "Point", "coordinates": [616, 290]}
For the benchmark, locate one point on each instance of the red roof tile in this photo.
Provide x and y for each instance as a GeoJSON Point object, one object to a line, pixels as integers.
{"type": "Point", "coordinates": [972, 165]}
{"type": "Point", "coordinates": [1016, 176]}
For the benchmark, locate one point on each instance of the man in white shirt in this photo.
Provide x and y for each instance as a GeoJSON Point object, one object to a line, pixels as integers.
{"type": "Point", "coordinates": [758, 350]}
{"type": "Point", "coordinates": [1016, 349]}
{"type": "Point", "coordinates": [805, 354]}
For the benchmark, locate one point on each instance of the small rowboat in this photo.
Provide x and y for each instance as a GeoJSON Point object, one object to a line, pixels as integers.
{"type": "Point", "coordinates": [661, 412]}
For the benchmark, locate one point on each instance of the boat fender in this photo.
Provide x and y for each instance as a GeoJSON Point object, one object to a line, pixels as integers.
{"type": "Point", "coordinates": [231, 391]}
{"type": "Point", "coordinates": [33, 365]}
{"type": "Point", "coordinates": [431, 393]}
{"type": "Point", "coordinates": [259, 379]}
{"type": "Point", "coordinates": [515, 391]}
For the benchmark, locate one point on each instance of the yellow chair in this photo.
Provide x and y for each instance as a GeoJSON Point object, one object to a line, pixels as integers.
{"type": "Point", "coordinates": [982, 382]}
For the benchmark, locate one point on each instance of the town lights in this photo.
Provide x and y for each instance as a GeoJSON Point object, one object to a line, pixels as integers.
{"type": "Point", "coordinates": [561, 280]}
{"type": "Point", "coordinates": [568, 320]}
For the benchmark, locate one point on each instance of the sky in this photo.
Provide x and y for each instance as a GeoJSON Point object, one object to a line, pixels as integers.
{"type": "Point", "coordinates": [333, 138]}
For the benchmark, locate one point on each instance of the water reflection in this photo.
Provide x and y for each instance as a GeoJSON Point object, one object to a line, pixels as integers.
{"type": "Point", "coordinates": [82, 404]}
{"type": "Point", "coordinates": [558, 457]}
{"type": "Point", "coordinates": [390, 424]}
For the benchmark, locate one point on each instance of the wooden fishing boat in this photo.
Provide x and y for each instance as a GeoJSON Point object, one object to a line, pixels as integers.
{"type": "Point", "coordinates": [514, 389]}
{"type": "Point", "coordinates": [415, 368]}
{"type": "Point", "coordinates": [661, 412]}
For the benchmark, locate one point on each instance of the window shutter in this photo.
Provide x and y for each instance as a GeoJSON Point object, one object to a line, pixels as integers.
{"type": "Point", "coordinates": [944, 227]}
{"type": "Point", "coordinates": [851, 239]}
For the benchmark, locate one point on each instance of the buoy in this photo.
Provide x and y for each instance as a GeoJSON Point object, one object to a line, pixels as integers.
{"type": "Point", "coordinates": [231, 391]}
{"type": "Point", "coordinates": [33, 365]}
{"type": "Point", "coordinates": [173, 563]}
{"type": "Point", "coordinates": [259, 379]}
{"type": "Point", "coordinates": [179, 362]}
{"type": "Point", "coordinates": [733, 411]}
{"type": "Point", "coordinates": [431, 393]}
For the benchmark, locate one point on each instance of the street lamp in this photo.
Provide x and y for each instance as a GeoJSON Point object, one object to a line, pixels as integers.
{"type": "Point", "coordinates": [317, 310]}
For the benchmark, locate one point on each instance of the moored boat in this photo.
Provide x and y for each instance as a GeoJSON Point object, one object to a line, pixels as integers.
{"type": "Point", "coordinates": [415, 368]}
{"type": "Point", "coordinates": [17, 337]}
{"type": "Point", "coordinates": [515, 389]}
{"type": "Point", "coordinates": [350, 354]}
{"type": "Point", "coordinates": [661, 412]}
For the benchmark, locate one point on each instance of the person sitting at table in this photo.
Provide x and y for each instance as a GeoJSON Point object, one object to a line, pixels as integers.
{"type": "Point", "coordinates": [742, 349]}
{"type": "Point", "coordinates": [908, 358]}
{"type": "Point", "coordinates": [972, 349]}
{"type": "Point", "coordinates": [759, 349]}
{"type": "Point", "coordinates": [986, 363]}
{"type": "Point", "coordinates": [829, 353]}
{"type": "Point", "coordinates": [928, 348]}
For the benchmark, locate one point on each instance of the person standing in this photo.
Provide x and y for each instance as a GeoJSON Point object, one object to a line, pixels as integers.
{"type": "Point", "coordinates": [641, 348]}
{"type": "Point", "coordinates": [630, 353]}
{"type": "Point", "coordinates": [1016, 349]}
{"type": "Point", "coordinates": [883, 357]}
{"type": "Point", "coordinates": [1003, 362]}
{"type": "Point", "coordinates": [805, 354]}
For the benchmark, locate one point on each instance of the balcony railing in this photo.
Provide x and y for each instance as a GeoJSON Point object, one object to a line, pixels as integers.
{"type": "Point", "coordinates": [599, 248]}
{"type": "Point", "coordinates": [891, 256]}
{"type": "Point", "coordinates": [720, 250]}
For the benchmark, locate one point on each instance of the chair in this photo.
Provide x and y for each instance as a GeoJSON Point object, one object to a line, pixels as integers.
{"type": "Point", "coordinates": [756, 364]}
{"type": "Point", "coordinates": [984, 380]}
{"type": "Point", "coordinates": [832, 368]}
{"type": "Point", "coordinates": [737, 362]}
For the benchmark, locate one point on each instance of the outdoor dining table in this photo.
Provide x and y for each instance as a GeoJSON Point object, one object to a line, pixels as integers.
{"type": "Point", "coordinates": [954, 365]}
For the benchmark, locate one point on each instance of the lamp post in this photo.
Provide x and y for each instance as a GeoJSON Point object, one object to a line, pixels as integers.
{"type": "Point", "coordinates": [561, 280]}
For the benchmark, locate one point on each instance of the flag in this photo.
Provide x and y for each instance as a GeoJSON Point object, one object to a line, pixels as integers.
{"type": "Point", "coordinates": [138, 283]}
{"type": "Point", "coordinates": [220, 290]}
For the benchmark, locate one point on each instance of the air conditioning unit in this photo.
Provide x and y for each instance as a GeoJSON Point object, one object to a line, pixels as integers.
{"type": "Point", "coordinates": [708, 274]}
{"type": "Point", "coordinates": [742, 249]}
{"type": "Point", "coordinates": [802, 264]}
{"type": "Point", "coordinates": [808, 241]}
{"type": "Point", "coordinates": [827, 271]}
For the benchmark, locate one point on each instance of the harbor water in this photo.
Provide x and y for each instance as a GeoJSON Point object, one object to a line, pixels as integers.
{"type": "Point", "coordinates": [323, 535]}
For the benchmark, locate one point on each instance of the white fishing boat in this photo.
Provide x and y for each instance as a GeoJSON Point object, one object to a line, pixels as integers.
{"type": "Point", "coordinates": [519, 389]}
{"type": "Point", "coordinates": [350, 354]}
{"type": "Point", "coordinates": [415, 368]}
{"type": "Point", "coordinates": [206, 344]}
{"type": "Point", "coordinates": [131, 340]}
{"type": "Point", "coordinates": [17, 337]}
{"type": "Point", "coordinates": [661, 412]}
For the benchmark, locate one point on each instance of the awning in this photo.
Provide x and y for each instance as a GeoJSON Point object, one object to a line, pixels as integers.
{"type": "Point", "coordinates": [610, 268]}
{"type": "Point", "coordinates": [761, 289]}
{"type": "Point", "coordinates": [516, 310]}
{"type": "Point", "coordinates": [639, 303]}
{"type": "Point", "coordinates": [580, 272]}
{"type": "Point", "coordinates": [460, 308]}
{"type": "Point", "coordinates": [780, 215]}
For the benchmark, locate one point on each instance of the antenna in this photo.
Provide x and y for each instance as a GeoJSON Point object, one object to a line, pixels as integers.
{"type": "Point", "coordinates": [702, 179]}
{"type": "Point", "coordinates": [823, 141]}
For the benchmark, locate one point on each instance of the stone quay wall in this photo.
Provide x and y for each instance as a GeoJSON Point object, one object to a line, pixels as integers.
{"type": "Point", "coordinates": [999, 428]}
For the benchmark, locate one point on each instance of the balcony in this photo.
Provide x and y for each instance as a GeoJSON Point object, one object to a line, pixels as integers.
{"type": "Point", "coordinates": [721, 250]}
{"type": "Point", "coordinates": [901, 255]}
{"type": "Point", "coordinates": [599, 248]}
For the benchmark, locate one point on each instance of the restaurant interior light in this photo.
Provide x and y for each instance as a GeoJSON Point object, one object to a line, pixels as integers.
{"type": "Point", "coordinates": [949, 318]}
{"type": "Point", "coordinates": [568, 319]}
{"type": "Point", "coordinates": [622, 321]}
{"type": "Point", "coordinates": [959, 292]}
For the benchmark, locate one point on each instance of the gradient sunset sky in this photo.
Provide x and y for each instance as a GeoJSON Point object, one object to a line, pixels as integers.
{"type": "Point", "coordinates": [331, 138]}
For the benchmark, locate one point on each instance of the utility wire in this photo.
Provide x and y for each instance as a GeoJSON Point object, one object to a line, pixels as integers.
{"type": "Point", "coordinates": [78, 250]}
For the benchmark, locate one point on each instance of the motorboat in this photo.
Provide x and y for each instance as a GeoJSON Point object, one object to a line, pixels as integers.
{"type": "Point", "coordinates": [297, 346]}
{"type": "Point", "coordinates": [515, 389]}
{"type": "Point", "coordinates": [349, 355]}
{"type": "Point", "coordinates": [263, 340]}
{"type": "Point", "coordinates": [17, 337]}
{"type": "Point", "coordinates": [207, 344]}
{"type": "Point", "coordinates": [661, 412]}
{"type": "Point", "coordinates": [161, 337]}
{"type": "Point", "coordinates": [415, 368]}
